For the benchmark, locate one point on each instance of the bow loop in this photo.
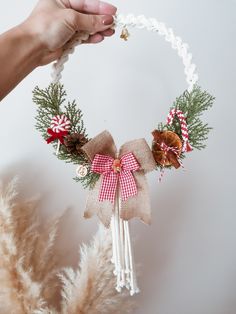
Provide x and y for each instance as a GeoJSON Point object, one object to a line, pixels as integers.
{"type": "Point", "coordinates": [129, 162]}
{"type": "Point", "coordinates": [102, 164]}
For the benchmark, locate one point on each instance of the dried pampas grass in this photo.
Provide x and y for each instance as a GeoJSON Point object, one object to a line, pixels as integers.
{"type": "Point", "coordinates": [31, 282]}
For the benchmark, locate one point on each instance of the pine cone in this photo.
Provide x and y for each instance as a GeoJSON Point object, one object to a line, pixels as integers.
{"type": "Point", "coordinates": [73, 143]}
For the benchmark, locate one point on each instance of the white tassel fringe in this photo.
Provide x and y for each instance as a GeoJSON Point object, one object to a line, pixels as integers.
{"type": "Point", "coordinates": [122, 257]}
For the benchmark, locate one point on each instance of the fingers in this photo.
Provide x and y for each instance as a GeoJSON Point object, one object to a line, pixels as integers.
{"type": "Point", "coordinates": [95, 39]}
{"type": "Point", "coordinates": [89, 23]}
{"type": "Point", "coordinates": [99, 37]}
{"type": "Point", "coordinates": [108, 32]}
{"type": "Point", "coordinates": [93, 7]}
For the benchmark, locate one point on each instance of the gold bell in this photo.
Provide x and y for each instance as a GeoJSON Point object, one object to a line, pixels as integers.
{"type": "Point", "coordinates": [116, 165]}
{"type": "Point", "coordinates": [125, 34]}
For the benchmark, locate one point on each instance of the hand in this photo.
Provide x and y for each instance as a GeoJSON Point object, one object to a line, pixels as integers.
{"type": "Point", "coordinates": [42, 38]}
{"type": "Point", "coordinates": [55, 22]}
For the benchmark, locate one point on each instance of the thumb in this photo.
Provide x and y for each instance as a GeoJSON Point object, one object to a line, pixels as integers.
{"type": "Point", "coordinates": [88, 22]}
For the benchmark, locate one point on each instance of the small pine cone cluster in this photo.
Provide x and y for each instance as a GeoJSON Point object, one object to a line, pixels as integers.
{"type": "Point", "coordinates": [73, 143]}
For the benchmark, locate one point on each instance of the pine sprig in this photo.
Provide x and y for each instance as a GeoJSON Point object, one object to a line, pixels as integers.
{"type": "Point", "coordinates": [75, 115]}
{"type": "Point", "coordinates": [51, 102]}
{"type": "Point", "coordinates": [50, 98]}
{"type": "Point", "coordinates": [193, 105]}
{"type": "Point", "coordinates": [89, 181]}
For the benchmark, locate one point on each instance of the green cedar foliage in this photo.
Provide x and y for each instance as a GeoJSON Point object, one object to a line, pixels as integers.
{"type": "Point", "coordinates": [51, 101]}
{"type": "Point", "coordinates": [193, 105]}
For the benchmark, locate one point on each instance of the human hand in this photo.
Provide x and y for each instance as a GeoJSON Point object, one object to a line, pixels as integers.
{"type": "Point", "coordinates": [55, 22]}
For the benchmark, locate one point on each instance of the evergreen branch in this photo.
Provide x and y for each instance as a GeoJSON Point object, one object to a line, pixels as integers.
{"type": "Point", "coordinates": [75, 116]}
{"type": "Point", "coordinates": [193, 105]}
{"type": "Point", "coordinates": [50, 98]}
{"type": "Point", "coordinates": [89, 181]}
{"type": "Point", "coordinates": [51, 102]}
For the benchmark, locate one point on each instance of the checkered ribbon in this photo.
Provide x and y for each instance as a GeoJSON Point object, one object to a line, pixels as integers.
{"type": "Point", "coordinates": [103, 165]}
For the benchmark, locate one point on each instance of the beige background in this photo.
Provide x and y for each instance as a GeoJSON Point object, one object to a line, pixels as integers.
{"type": "Point", "coordinates": [188, 255]}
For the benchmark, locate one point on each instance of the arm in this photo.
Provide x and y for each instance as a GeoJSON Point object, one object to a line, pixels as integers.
{"type": "Point", "coordinates": [41, 38]}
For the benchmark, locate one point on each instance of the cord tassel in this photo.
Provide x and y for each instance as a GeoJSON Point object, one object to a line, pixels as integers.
{"type": "Point", "coordinates": [122, 257]}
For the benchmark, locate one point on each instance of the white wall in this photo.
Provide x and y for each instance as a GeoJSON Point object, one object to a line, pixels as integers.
{"type": "Point", "coordinates": [188, 255]}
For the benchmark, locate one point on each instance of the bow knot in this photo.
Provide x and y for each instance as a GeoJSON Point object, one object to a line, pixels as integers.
{"type": "Point", "coordinates": [167, 149]}
{"type": "Point", "coordinates": [56, 136]}
{"type": "Point", "coordinates": [117, 165]}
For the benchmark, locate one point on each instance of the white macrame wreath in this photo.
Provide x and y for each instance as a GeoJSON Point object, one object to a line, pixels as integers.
{"type": "Point", "coordinates": [116, 178]}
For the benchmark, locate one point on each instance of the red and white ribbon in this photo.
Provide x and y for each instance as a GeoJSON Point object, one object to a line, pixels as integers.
{"type": "Point", "coordinates": [165, 148]}
{"type": "Point", "coordinates": [60, 123]}
{"type": "Point", "coordinates": [184, 128]}
{"type": "Point", "coordinates": [104, 165]}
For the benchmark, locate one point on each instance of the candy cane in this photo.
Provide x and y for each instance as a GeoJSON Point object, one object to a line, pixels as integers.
{"type": "Point", "coordinates": [184, 128]}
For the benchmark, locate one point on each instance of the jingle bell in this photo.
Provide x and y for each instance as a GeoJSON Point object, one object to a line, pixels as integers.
{"type": "Point", "coordinates": [116, 165]}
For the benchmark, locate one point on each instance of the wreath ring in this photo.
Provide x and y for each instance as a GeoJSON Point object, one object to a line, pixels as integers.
{"type": "Point", "coordinates": [116, 178]}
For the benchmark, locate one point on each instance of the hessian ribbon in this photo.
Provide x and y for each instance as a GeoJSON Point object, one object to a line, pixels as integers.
{"type": "Point", "coordinates": [123, 171]}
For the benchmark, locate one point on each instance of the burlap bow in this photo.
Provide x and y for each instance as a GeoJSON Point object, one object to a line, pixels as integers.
{"type": "Point", "coordinates": [136, 206]}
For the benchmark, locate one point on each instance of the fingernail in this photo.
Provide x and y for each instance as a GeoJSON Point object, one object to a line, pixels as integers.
{"type": "Point", "coordinates": [108, 20]}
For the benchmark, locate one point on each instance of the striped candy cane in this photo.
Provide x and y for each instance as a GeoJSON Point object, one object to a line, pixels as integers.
{"type": "Point", "coordinates": [184, 128]}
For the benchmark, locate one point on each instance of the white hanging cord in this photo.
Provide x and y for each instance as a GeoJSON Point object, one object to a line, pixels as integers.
{"type": "Point", "coordinates": [122, 254]}
{"type": "Point", "coordinates": [132, 271]}
{"type": "Point", "coordinates": [122, 258]}
{"type": "Point", "coordinates": [58, 66]}
{"type": "Point", "coordinates": [140, 22]}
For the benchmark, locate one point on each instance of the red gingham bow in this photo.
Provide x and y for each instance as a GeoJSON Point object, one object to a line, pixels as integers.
{"type": "Point", "coordinates": [104, 165]}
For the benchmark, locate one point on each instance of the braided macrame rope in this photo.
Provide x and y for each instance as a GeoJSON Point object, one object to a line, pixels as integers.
{"type": "Point", "coordinates": [140, 22]}
{"type": "Point", "coordinates": [58, 66]}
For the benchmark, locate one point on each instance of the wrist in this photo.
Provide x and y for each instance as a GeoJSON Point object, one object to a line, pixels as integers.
{"type": "Point", "coordinates": [31, 45]}
{"type": "Point", "coordinates": [21, 52]}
